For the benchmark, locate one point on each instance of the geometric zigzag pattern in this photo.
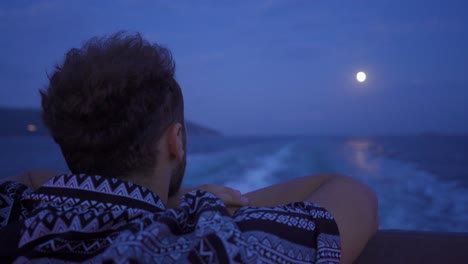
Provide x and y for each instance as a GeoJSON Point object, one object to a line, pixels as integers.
{"type": "Point", "coordinates": [278, 217]}
{"type": "Point", "coordinates": [101, 184]}
{"type": "Point", "coordinates": [62, 225]}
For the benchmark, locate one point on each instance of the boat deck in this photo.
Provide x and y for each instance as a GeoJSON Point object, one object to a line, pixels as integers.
{"type": "Point", "coordinates": [398, 246]}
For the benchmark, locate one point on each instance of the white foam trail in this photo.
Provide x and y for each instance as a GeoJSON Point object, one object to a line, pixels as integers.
{"type": "Point", "coordinates": [411, 198]}
{"type": "Point", "coordinates": [261, 175]}
{"type": "Point", "coordinates": [417, 199]}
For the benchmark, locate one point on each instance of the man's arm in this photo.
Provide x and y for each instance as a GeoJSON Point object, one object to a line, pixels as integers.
{"type": "Point", "coordinates": [353, 205]}
{"type": "Point", "coordinates": [34, 178]}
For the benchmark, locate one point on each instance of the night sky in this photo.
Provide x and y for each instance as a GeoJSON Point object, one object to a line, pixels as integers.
{"type": "Point", "coordinates": [270, 67]}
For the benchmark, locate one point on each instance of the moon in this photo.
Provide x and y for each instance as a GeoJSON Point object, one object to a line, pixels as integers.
{"type": "Point", "coordinates": [361, 76]}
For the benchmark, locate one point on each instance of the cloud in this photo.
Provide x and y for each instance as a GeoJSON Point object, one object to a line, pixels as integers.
{"type": "Point", "coordinates": [432, 25]}
{"type": "Point", "coordinates": [35, 9]}
{"type": "Point", "coordinates": [270, 4]}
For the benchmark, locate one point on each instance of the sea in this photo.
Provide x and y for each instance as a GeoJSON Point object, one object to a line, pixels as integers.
{"type": "Point", "coordinates": [421, 181]}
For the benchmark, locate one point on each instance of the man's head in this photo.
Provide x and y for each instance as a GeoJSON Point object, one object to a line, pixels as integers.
{"type": "Point", "coordinates": [116, 110]}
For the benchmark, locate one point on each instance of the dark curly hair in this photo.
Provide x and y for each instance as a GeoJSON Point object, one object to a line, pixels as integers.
{"type": "Point", "coordinates": [110, 102]}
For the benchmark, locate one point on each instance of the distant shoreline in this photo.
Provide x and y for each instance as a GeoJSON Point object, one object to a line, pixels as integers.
{"type": "Point", "coordinates": [28, 122]}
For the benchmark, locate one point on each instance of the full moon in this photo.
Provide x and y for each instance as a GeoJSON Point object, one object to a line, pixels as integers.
{"type": "Point", "coordinates": [361, 76]}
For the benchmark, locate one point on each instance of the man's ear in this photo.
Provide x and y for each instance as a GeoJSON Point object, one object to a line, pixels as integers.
{"type": "Point", "coordinates": [176, 141]}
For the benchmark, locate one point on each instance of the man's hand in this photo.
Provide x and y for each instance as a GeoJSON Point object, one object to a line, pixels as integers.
{"type": "Point", "coordinates": [230, 197]}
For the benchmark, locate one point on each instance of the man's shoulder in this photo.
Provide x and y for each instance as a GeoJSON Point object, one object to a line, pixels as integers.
{"type": "Point", "coordinates": [302, 216]}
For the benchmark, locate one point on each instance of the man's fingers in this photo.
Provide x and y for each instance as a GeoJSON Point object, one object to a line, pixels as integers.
{"type": "Point", "coordinates": [229, 196]}
{"type": "Point", "coordinates": [232, 197]}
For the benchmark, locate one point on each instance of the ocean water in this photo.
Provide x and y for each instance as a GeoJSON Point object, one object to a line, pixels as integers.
{"type": "Point", "coordinates": [421, 181]}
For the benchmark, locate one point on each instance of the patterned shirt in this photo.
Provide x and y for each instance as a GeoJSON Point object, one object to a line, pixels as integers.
{"type": "Point", "coordinates": [82, 218]}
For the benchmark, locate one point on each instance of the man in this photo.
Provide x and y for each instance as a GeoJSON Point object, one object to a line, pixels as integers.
{"type": "Point", "coordinates": [117, 113]}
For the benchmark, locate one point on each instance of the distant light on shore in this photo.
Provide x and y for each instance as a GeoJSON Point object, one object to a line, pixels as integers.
{"type": "Point", "coordinates": [31, 128]}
